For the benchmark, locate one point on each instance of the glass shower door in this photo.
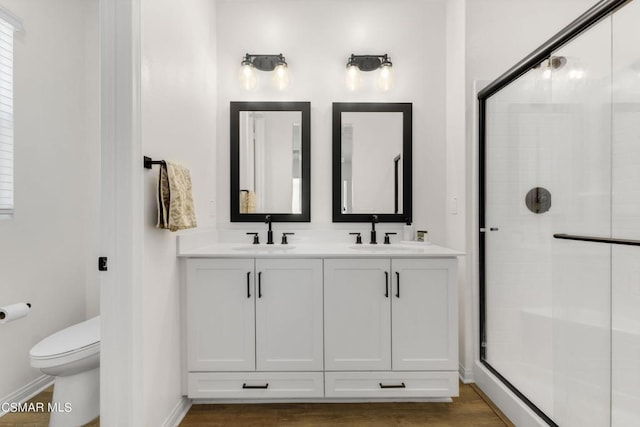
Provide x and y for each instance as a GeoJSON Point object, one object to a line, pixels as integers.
{"type": "Point", "coordinates": [521, 127]}
{"type": "Point", "coordinates": [581, 270]}
{"type": "Point", "coordinates": [548, 172]}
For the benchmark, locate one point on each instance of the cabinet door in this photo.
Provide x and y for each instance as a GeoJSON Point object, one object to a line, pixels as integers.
{"type": "Point", "coordinates": [357, 315]}
{"type": "Point", "coordinates": [424, 315]}
{"type": "Point", "coordinates": [289, 315]}
{"type": "Point", "coordinates": [220, 315]}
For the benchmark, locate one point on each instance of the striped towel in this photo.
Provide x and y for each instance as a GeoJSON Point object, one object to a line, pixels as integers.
{"type": "Point", "coordinates": [176, 210]}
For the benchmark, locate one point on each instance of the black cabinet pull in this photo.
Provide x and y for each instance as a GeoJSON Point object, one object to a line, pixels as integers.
{"type": "Point", "coordinates": [260, 284]}
{"type": "Point", "coordinates": [398, 289]}
{"type": "Point", "coordinates": [246, 387]}
{"type": "Point", "coordinates": [386, 276]}
{"type": "Point", "coordinates": [248, 284]}
{"type": "Point", "coordinates": [401, 385]}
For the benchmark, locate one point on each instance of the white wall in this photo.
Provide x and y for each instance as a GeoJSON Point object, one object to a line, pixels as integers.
{"type": "Point", "coordinates": [317, 37]}
{"type": "Point", "coordinates": [47, 251]}
{"type": "Point", "coordinates": [178, 124]}
{"type": "Point", "coordinates": [457, 174]}
{"type": "Point", "coordinates": [92, 134]}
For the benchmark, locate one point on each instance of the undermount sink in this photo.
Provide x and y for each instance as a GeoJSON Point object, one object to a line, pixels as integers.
{"type": "Point", "coordinates": [384, 248]}
{"type": "Point", "coordinates": [264, 248]}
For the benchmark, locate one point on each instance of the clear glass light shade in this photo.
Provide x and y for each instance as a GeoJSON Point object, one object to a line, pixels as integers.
{"type": "Point", "coordinates": [247, 77]}
{"type": "Point", "coordinates": [385, 77]}
{"type": "Point", "coordinates": [353, 79]}
{"type": "Point", "coordinates": [281, 76]}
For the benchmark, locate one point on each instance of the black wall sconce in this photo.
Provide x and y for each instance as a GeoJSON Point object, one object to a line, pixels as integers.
{"type": "Point", "coordinates": [358, 63]}
{"type": "Point", "coordinates": [252, 62]}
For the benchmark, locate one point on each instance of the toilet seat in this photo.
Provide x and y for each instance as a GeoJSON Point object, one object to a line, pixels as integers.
{"type": "Point", "coordinates": [73, 343]}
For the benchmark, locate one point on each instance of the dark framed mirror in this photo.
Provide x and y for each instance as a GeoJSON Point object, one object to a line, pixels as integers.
{"type": "Point", "coordinates": [270, 161]}
{"type": "Point", "coordinates": [372, 162]}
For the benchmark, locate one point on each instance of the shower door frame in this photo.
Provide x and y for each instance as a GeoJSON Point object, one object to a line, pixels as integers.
{"type": "Point", "coordinates": [574, 29]}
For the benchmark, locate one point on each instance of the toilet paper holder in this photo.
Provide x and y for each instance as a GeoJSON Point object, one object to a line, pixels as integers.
{"type": "Point", "coordinates": [3, 315]}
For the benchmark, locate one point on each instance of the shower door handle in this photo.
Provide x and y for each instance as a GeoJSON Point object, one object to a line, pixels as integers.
{"type": "Point", "coordinates": [609, 240]}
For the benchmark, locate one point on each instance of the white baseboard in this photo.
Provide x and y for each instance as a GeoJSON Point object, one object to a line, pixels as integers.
{"type": "Point", "coordinates": [178, 413]}
{"type": "Point", "coordinates": [28, 391]}
{"type": "Point", "coordinates": [466, 375]}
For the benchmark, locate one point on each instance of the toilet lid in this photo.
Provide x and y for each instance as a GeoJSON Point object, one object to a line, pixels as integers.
{"type": "Point", "coordinates": [68, 340]}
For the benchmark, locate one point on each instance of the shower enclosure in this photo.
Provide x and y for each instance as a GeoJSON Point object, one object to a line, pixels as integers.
{"type": "Point", "coordinates": [560, 223]}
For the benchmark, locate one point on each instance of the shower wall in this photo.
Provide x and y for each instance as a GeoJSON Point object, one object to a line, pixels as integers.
{"type": "Point", "coordinates": [561, 323]}
{"type": "Point", "coordinates": [625, 212]}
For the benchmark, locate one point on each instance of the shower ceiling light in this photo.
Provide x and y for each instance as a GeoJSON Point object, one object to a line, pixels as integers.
{"type": "Point", "coordinates": [358, 63]}
{"type": "Point", "coordinates": [551, 64]}
{"type": "Point", "coordinates": [252, 62]}
{"type": "Point", "coordinates": [557, 62]}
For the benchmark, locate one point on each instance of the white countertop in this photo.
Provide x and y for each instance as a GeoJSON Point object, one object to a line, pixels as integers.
{"type": "Point", "coordinates": [320, 250]}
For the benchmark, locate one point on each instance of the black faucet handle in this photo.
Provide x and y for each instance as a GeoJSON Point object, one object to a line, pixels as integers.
{"type": "Point", "coordinates": [358, 238]}
{"type": "Point", "coordinates": [256, 239]}
{"type": "Point", "coordinates": [284, 238]}
{"type": "Point", "coordinates": [387, 240]}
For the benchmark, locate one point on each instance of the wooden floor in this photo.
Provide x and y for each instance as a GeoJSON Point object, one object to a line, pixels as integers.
{"type": "Point", "coordinates": [471, 409]}
{"type": "Point", "coordinates": [467, 410]}
{"type": "Point", "coordinates": [35, 419]}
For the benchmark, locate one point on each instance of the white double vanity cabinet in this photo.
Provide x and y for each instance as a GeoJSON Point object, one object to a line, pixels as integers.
{"type": "Point", "coordinates": [330, 324]}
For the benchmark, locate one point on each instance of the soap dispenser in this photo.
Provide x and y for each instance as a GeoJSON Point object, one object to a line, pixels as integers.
{"type": "Point", "coordinates": [409, 232]}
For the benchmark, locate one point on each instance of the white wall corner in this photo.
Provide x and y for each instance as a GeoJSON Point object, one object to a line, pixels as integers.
{"type": "Point", "coordinates": [28, 391]}
{"type": "Point", "coordinates": [178, 412]}
{"type": "Point", "coordinates": [466, 375]}
{"type": "Point", "coordinates": [121, 386]}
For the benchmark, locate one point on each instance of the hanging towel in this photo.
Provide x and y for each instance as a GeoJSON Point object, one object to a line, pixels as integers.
{"type": "Point", "coordinates": [175, 200]}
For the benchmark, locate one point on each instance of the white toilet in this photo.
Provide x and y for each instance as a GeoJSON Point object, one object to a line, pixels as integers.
{"type": "Point", "coordinates": [72, 355]}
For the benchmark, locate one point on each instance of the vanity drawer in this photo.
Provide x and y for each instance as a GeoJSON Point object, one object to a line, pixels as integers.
{"type": "Point", "coordinates": [252, 385]}
{"type": "Point", "coordinates": [391, 384]}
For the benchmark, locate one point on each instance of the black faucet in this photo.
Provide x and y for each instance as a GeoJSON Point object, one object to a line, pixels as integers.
{"type": "Point", "coordinates": [358, 238]}
{"type": "Point", "coordinates": [374, 219]}
{"type": "Point", "coordinates": [284, 238]}
{"type": "Point", "coordinates": [387, 240]}
{"type": "Point", "coordinates": [267, 220]}
{"type": "Point", "coordinates": [256, 239]}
